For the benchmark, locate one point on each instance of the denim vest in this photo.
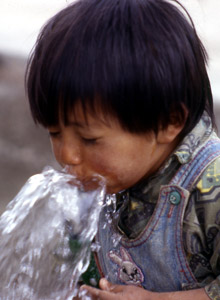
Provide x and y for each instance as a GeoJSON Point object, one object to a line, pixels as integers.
{"type": "Point", "coordinates": [156, 259]}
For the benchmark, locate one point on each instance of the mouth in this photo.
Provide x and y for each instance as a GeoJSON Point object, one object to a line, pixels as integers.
{"type": "Point", "coordinates": [92, 183]}
{"type": "Point", "coordinates": [88, 182]}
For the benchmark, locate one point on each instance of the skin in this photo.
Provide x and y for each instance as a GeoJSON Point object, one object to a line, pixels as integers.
{"type": "Point", "coordinates": [96, 145]}
{"type": "Point", "coordinates": [110, 291]}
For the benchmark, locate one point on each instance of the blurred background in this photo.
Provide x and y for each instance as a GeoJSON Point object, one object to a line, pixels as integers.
{"type": "Point", "coordinates": [25, 148]}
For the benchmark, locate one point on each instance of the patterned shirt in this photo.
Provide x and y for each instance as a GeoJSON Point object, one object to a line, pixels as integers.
{"type": "Point", "coordinates": [201, 224]}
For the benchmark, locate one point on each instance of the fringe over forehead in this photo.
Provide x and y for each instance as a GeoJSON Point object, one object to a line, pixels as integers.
{"type": "Point", "coordinates": [135, 60]}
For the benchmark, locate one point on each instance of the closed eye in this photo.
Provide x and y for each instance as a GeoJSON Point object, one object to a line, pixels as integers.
{"type": "Point", "coordinates": [54, 134]}
{"type": "Point", "coordinates": [89, 140]}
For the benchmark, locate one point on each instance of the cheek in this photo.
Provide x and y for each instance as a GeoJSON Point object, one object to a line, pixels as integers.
{"type": "Point", "coordinates": [102, 163]}
{"type": "Point", "coordinates": [121, 171]}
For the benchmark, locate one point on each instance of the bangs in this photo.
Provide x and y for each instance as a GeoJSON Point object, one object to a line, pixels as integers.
{"type": "Point", "coordinates": [132, 60]}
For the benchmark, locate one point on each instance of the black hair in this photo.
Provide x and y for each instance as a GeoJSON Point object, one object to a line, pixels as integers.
{"type": "Point", "coordinates": [137, 60]}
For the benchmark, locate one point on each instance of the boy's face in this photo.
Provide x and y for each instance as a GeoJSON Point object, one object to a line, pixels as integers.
{"type": "Point", "coordinates": [100, 146]}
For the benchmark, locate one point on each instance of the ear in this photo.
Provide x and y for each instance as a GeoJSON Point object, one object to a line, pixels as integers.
{"type": "Point", "coordinates": [171, 132]}
{"type": "Point", "coordinates": [115, 258]}
{"type": "Point", "coordinates": [125, 255]}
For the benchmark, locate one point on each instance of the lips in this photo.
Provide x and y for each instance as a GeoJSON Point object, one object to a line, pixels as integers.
{"type": "Point", "coordinates": [86, 182]}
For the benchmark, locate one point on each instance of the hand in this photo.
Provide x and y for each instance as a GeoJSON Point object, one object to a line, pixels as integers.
{"type": "Point", "coordinates": [109, 291]}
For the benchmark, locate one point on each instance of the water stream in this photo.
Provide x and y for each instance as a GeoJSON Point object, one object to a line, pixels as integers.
{"type": "Point", "coordinates": [46, 236]}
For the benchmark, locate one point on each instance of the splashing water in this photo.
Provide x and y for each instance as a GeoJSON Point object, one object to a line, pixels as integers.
{"type": "Point", "coordinates": [45, 236]}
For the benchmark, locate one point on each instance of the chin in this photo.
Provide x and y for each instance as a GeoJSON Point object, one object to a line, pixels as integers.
{"type": "Point", "coordinates": [113, 190]}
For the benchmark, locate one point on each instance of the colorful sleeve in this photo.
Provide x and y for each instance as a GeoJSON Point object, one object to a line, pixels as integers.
{"type": "Point", "coordinates": [209, 203]}
{"type": "Point", "coordinates": [213, 289]}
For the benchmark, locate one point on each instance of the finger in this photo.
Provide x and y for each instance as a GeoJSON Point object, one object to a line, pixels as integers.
{"type": "Point", "coordinates": [98, 294]}
{"type": "Point", "coordinates": [105, 285]}
{"type": "Point", "coordinates": [84, 289]}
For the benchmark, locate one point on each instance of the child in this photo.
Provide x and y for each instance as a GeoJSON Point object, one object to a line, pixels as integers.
{"type": "Point", "coordinates": [122, 87]}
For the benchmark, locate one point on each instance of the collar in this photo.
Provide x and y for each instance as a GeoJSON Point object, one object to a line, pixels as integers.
{"type": "Point", "coordinates": [194, 140]}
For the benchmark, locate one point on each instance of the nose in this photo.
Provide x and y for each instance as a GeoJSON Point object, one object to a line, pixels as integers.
{"type": "Point", "coordinates": [70, 154]}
